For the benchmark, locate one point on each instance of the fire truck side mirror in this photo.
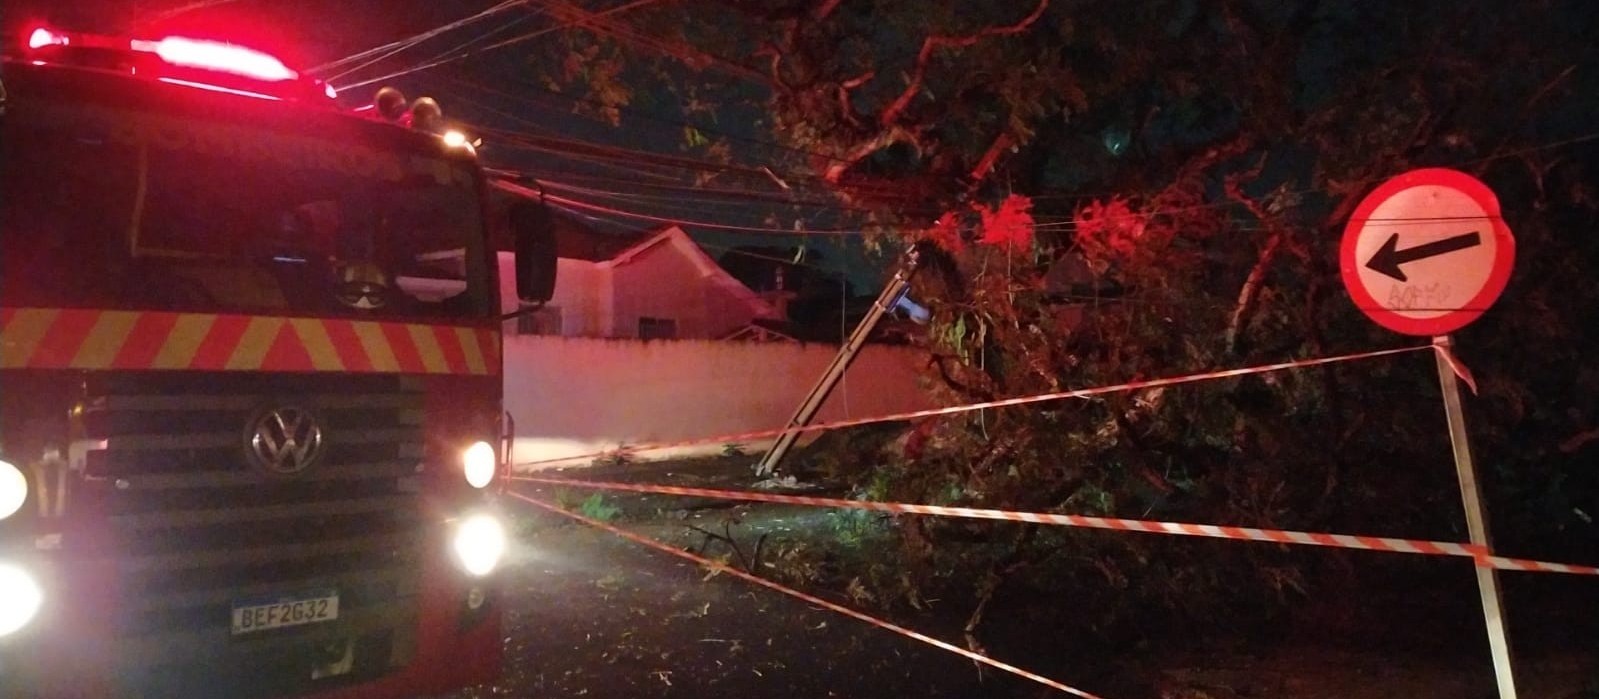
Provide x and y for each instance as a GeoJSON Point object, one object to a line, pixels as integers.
{"type": "Point", "coordinates": [534, 234]}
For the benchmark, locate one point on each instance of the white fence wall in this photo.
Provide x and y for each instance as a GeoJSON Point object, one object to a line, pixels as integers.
{"type": "Point", "coordinates": [573, 396]}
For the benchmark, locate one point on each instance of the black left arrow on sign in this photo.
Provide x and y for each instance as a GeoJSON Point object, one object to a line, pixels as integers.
{"type": "Point", "coordinates": [1388, 258]}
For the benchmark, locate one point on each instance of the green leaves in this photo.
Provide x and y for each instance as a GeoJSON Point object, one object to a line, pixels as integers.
{"type": "Point", "coordinates": [595, 507]}
{"type": "Point", "coordinates": [954, 337]}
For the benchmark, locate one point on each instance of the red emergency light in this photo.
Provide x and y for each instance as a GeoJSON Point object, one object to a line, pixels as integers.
{"type": "Point", "coordinates": [218, 56]}
{"type": "Point", "coordinates": [182, 60]}
{"type": "Point", "coordinates": [42, 37]}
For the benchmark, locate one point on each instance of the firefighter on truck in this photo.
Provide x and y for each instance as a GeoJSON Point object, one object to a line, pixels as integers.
{"type": "Point", "coordinates": [250, 395]}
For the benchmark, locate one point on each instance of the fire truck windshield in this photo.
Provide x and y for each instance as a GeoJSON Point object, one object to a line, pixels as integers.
{"type": "Point", "coordinates": [139, 208]}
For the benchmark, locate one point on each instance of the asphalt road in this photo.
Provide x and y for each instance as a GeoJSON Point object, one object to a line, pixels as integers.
{"type": "Point", "coordinates": [591, 614]}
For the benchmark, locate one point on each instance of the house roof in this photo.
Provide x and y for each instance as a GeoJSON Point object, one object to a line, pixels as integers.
{"type": "Point", "coordinates": [675, 238]}
{"type": "Point", "coordinates": [579, 241]}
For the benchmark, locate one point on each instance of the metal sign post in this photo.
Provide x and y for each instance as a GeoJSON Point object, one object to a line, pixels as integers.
{"type": "Point", "coordinates": [1427, 253]}
{"type": "Point", "coordinates": [1493, 608]}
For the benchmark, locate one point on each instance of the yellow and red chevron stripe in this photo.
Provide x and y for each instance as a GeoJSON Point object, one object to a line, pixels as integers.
{"type": "Point", "coordinates": [71, 338]}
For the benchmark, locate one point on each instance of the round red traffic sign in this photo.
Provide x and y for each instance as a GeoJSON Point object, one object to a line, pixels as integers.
{"type": "Point", "coordinates": [1427, 252]}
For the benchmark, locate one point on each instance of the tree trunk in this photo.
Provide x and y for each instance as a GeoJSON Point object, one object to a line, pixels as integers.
{"type": "Point", "coordinates": [1251, 289]}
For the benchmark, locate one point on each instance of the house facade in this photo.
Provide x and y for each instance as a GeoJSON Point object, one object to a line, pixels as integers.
{"type": "Point", "coordinates": [661, 287]}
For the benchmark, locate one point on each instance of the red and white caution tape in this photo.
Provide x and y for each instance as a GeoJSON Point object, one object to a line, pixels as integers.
{"type": "Point", "coordinates": [809, 599]}
{"type": "Point", "coordinates": [987, 405]}
{"type": "Point", "coordinates": [1503, 563]}
{"type": "Point", "coordinates": [1480, 554]}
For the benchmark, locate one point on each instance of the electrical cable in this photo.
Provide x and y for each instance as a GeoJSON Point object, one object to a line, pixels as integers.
{"type": "Point", "coordinates": [605, 153]}
{"type": "Point", "coordinates": [723, 248]}
{"type": "Point", "coordinates": [497, 45]}
{"type": "Point", "coordinates": [1071, 224]}
{"type": "Point", "coordinates": [464, 45]}
{"type": "Point", "coordinates": [688, 55]}
{"type": "Point", "coordinates": [762, 173]}
{"type": "Point", "coordinates": [568, 204]}
{"type": "Point", "coordinates": [591, 206]}
{"type": "Point", "coordinates": [407, 42]}
{"type": "Point", "coordinates": [690, 199]}
{"type": "Point", "coordinates": [634, 111]}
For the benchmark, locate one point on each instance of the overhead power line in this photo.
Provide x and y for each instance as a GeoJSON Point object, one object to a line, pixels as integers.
{"type": "Point", "coordinates": [625, 156]}
{"type": "Point", "coordinates": [630, 111]}
{"type": "Point", "coordinates": [841, 269]}
{"type": "Point", "coordinates": [569, 204]}
{"type": "Point", "coordinates": [600, 23]}
{"type": "Point", "coordinates": [694, 196]}
{"type": "Point", "coordinates": [488, 35]}
{"type": "Point", "coordinates": [402, 44]}
{"type": "Point", "coordinates": [1072, 225]}
{"type": "Point", "coordinates": [496, 45]}
{"type": "Point", "coordinates": [485, 36]}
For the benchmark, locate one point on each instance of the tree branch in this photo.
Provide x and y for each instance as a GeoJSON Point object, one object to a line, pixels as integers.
{"type": "Point", "coordinates": [825, 9]}
{"type": "Point", "coordinates": [600, 23]}
{"type": "Point", "coordinates": [942, 41]}
{"type": "Point", "coordinates": [1526, 109]}
{"type": "Point", "coordinates": [865, 149]}
{"type": "Point", "coordinates": [1579, 440]}
{"type": "Point", "coordinates": [750, 565]}
{"type": "Point", "coordinates": [767, 49]}
{"type": "Point", "coordinates": [763, 12]}
{"type": "Point", "coordinates": [991, 156]}
{"type": "Point", "coordinates": [967, 391]}
{"type": "Point", "coordinates": [1268, 253]}
{"type": "Point", "coordinates": [998, 572]}
{"type": "Point", "coordinates": [845, 108]}
{"type": "Point", "coordinates": [1251, 289]}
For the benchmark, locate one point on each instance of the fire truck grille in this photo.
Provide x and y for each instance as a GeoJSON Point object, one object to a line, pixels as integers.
{"type": "Point", "coordinates": [199, 527]}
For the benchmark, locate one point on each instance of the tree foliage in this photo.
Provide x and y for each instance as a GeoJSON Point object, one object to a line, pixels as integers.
{"type": "Point", "coordinates": [1116, 191]}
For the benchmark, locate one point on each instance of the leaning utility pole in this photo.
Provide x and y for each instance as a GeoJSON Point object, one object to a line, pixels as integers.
{"type": "Point", "coordinates": [886, 301]}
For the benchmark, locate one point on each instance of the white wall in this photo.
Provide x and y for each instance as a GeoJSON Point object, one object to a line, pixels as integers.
{"type": "Point", "coordinates": [575, 396]}
{"type": "Point", "coordinates": [582, 292]}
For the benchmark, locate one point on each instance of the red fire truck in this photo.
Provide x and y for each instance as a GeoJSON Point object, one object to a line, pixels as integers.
{"type": "Point", "coordinates": [250, 395]}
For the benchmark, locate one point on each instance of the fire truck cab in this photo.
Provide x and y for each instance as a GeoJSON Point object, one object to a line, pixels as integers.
{"type": "Point", "coordinates": [250, 395]}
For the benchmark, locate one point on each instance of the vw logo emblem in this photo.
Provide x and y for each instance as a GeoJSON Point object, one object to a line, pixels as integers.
{"type": "Point", "coordinates": [284, 440]}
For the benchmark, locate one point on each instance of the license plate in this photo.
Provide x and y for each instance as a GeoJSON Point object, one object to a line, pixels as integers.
{"type": "Point", "coordinates": [283, 612]}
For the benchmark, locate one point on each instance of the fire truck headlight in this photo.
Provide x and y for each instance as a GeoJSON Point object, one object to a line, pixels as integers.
{"type": "Point", "coordinates": [13, 489]}
{"type": "Point", "coordinates": [479, 544]}
{"type": "Point", "coordinates": [20, 598]}
{"type": "Point", "coordinates": [478, 461]}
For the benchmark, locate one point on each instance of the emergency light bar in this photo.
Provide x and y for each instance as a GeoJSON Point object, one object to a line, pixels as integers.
{"type": "Point", "coordinates": [218, 56]}
{"type": "Point", "coordinates": [43, 37]}
{"type": "Point", "coordinates": [187, 59]}
{"type": "Point", "coordinates": [220, 66]}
